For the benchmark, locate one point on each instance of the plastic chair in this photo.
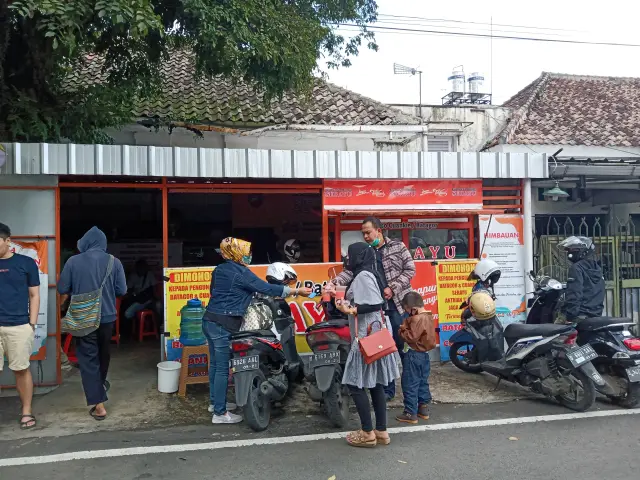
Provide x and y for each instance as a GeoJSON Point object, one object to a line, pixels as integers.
{"type": "Point", "coordinates": [146, 324]}
{"type": "Point", "coordinates": [116, 333]}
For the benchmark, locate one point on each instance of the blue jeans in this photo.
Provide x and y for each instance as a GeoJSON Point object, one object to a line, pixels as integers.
{"type": "Point", "coordinates": [396, 319]}
{"type": "Point", "coordinates": [219, 357]}
{"type": "Point", "coordinates": [415, 380]}
{"type": "Point", "coordinates": [135, 308]}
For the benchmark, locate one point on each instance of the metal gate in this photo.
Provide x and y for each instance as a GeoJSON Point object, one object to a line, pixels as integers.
{"type": "Point", "coordinates": [617, 247]}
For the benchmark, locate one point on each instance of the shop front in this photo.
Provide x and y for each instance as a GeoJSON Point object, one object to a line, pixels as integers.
{"type": "Point", "coordinates": [174, 212]}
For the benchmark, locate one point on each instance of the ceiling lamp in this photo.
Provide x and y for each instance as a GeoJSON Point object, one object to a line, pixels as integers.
{"type": "Point", "coordinates": [555, 193]}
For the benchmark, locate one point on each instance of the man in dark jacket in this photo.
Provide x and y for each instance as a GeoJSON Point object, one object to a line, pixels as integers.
{"type": "Point", "coordinates": [585, 293]}
{"type": "Point", "coordinates": [84, 273]}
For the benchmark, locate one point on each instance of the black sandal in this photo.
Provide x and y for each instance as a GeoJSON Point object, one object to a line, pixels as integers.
{"type": "Point", "coordinates": [99, 418]}
{"type": "Point", "coordinates": [24, 424]}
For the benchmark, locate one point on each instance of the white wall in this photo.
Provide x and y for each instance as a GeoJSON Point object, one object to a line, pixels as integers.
{"type": "Point", "coordinates": [472, 125]}
{"type": "Point", "coordinates": [275, 140]}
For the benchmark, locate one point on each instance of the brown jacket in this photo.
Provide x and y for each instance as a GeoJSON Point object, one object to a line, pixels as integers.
{"type": "Point", "coordinates": [419, 332]}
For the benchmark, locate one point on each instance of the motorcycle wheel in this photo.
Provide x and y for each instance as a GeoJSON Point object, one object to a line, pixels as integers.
{"type": "Point", "coordinates": [588, 388]}
{"type": "Point", "coordinates": [257, 411]}
{"type": "Point", "coordinates": [465, 360]}
{"type": "Point", "coordinates": [337, 401]}
{"type": "Point", "coordinates": [631, 399]}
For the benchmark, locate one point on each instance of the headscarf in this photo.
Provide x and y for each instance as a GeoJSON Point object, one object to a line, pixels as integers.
{"type": "Point", "coordinates": [236, 250]}
{"type": "Point", "coordinates": [361, 257]}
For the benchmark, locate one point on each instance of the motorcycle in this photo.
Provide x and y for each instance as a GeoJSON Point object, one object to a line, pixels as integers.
{"type": "Point", "coordinates": [542, 358]}
{"type": "Point", "coordinates": [613, 339]}
{"type": "Point", "coordinates": [264, 367]}
{"type": "Point", "coordinates": [330, 342]}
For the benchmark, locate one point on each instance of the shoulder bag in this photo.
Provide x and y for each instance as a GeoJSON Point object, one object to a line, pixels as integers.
{"type": "Point", "coordinates": [378, 344]}
{"type": "Point", "coordinates": [85, 310]}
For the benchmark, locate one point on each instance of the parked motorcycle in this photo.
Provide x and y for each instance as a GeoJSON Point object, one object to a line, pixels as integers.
{"type": "Point", "coordinates": [330, 342]}
{"type": "Point", "coordinates": [264, 367]}
{"type": "Point", "coordinates": [543, 358]}
{"type": "Point", "coordinates": [617, 348]}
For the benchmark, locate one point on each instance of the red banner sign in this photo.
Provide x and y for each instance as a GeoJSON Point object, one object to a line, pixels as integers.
{"type": "Point", "coordinates": [403, 195]}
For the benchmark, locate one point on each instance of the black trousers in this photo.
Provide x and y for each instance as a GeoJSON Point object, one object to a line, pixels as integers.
{"type": "Point", "coordinates": [379, 400]}
{"type": "Point", "coordinates": [94, 356]}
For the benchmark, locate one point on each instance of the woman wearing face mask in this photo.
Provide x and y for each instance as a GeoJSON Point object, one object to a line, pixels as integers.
{"type": "Point", "coordinates": [232, 286]}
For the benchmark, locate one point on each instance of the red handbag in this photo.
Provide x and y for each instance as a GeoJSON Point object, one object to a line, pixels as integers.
{"type": "Point", "coordinates": [378, 344]}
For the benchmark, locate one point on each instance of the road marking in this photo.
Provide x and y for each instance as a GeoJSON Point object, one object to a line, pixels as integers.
{"type": "Point", "coordinates": [194, 447]}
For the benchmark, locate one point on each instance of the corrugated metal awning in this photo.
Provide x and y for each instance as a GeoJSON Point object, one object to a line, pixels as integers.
{"type": "Point", "coordinates": [125, 160]}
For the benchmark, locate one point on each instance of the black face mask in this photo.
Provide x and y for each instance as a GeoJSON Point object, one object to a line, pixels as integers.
{"type": "Point", "coordinates": [574, 256]}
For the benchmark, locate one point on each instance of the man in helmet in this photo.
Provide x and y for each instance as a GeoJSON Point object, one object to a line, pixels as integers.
{"type": "Point", "coordinates": [584, 296]}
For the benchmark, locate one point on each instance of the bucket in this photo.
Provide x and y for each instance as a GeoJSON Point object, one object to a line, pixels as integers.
{"type": "Point", "coordinates": [168, 377]}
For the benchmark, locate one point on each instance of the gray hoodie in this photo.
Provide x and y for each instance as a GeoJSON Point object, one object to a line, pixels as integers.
{"type": "Point", "coordinates": [83, 273]}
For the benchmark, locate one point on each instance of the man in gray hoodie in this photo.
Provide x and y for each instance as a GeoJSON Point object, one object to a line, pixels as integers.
{"type": "Point", "coordinates": [84, 273]}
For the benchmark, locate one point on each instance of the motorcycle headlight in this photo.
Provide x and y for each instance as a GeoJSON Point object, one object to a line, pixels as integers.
{"type": "Point", "coordinates": [554, 284]}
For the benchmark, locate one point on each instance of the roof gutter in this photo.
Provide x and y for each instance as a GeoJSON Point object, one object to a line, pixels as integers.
{"type": "Point", "coordinates": [341, 129]}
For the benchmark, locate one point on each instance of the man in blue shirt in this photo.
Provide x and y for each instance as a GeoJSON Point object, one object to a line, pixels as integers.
{"type": "Point", "coordinates": [19, 308]}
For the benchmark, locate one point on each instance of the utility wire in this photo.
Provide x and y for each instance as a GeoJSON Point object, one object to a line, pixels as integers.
{"type": "Point", "coordinates": [383, 29]}
{"type": "Point", "coordinates": [467, 28]}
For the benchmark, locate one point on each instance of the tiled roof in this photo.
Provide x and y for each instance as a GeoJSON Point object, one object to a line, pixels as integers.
{"type": "Point", "coordinates": [561, 109]}
{"type": "Point", "coordinates": [220, 101]}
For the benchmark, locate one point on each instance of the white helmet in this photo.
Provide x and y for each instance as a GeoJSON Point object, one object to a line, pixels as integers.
{"type": "Point", "coordinates": [279, 273]}
{"type": "Point", "coordinates": [487, 271]}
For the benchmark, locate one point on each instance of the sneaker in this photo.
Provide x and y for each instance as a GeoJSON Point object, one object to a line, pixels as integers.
{"type": "Point", "coordinates": [423, 411]}
{"type": "Point", "coordinates": [230, 407]}
{"type": "Point", "coordinates": [226, 418]}
{"type": "Point", "coordinates": [406, 417]}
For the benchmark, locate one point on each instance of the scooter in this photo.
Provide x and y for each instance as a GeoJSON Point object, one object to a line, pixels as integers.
{"type": "Point", "coordinates": [617, 348]}
{"type": "Point", "coordinates": [330, 342]}
{"type": "Point", "coordinates": [264, 367]}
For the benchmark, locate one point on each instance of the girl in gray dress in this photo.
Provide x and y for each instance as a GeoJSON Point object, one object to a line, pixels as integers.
{"type": "Point", "coordinates": [364, 299]}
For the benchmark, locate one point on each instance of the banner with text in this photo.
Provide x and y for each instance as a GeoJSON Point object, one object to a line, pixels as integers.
{"type": "Point", "coordinates": [187, 283]}
{"type": "Point", "coordinates": [425, 284]}
{"type": "Point", "coordinates": [504, 244]}
{"type": "Point", "coordinates": [356, 195]}
{"type": "Point", "coordinates": [39, 252]}
{"type": "Point", "coordinates": [453, 289]}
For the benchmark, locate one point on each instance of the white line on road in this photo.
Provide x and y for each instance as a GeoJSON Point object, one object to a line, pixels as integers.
{"type": "Point", "coordinates": [193, 447]}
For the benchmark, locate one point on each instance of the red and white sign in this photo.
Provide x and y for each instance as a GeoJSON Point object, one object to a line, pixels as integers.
{"type": "Point", "coordinates": [362, 195]}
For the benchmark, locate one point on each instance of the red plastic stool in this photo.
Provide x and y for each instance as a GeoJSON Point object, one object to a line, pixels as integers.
{"type": "Point", "coordinates": [147, 325]}
{"type": "Point", "coordinates": [69, 349]}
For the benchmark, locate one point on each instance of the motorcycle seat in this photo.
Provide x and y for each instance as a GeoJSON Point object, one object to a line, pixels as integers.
{"type": "Point", "coordinates": [253, 333]}
{"type": "Point", "coordinates": [594, 323]}
{"type": "Point", "coordinates": [521, 330]}
{"type": "Point", "coordinates": [334, 323]}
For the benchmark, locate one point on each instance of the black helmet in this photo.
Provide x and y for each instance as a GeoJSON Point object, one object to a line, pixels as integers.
{"type": "Point", "coordinates": [577, 248]}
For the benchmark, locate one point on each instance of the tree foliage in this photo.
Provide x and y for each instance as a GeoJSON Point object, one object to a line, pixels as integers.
{"type": "Point", "coordinates": [275, 45]}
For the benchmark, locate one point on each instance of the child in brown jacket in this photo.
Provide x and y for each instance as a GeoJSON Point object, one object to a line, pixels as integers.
{"type": "Point", "coordinates": [419, 334]}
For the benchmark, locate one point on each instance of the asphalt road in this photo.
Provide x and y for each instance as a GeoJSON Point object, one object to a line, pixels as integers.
{"type": "Point", "coordinates": [581, 448]}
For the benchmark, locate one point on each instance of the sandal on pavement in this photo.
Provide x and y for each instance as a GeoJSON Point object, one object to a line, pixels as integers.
{"type": "Point", "coordinates": [382, 438]}
{"type": "Point", "coordinates": [27, 424]}
{"type": "Point", "coordinates": [95, 416]}
{"type": "Point", "coordinates": [357, 439]}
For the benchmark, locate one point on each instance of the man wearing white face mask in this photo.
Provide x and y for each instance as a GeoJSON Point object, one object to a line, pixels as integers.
{"type": "Point", "coordinates": [394, 260]}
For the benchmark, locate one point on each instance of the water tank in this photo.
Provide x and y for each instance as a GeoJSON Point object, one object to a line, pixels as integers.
{"type": "Point", "coordinates": [476, 81]}
{"type": "Point", "coordinates": [456, 80]}
{"type": "Point", "coordinates": [191, 323]}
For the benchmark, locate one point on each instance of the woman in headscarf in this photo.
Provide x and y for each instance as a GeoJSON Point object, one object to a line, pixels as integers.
{"type": "Point", "coordinates": [365, 299]}
{"type": "Point", "coordinates": [232, 286]}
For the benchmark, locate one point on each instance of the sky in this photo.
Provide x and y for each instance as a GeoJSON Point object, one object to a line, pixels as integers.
{"type": "Point", "coordinates": [515, 63]}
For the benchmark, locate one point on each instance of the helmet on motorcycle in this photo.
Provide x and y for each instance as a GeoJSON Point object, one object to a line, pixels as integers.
{"type": "Point", "coordinates": [577, 247]}
{"type": "Point", "coordinates": [482, 305]}
{"type": "Point", "coordinates": [292, 250]}
{"type": "Point", "coordinates": [279, 273]}
{"type": "Point", "coordinates": [487, 271]}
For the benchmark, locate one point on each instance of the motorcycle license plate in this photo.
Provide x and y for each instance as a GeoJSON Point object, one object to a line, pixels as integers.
{"type": "Point", "coordinates": [634, 374]}
{"type": "Point", "coordinates": [322, 359]}
{"type": "Point", "coordinates": [245, 364]}
{"type": "Point", "coordinates": [581, 355]}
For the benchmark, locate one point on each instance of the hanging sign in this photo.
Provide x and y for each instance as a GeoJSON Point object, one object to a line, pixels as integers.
{"type": "Point", "coordinates": [362, 195]}
{"type": "Point", "coordinates": [504, 244]}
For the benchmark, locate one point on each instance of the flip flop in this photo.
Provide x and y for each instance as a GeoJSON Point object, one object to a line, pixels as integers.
{"type": "Point", "coordinates": [24, 424]}
{"type": "Point", "coordinates": [356, 439]}
{"type": "Point", "coordinates": [99, 418]}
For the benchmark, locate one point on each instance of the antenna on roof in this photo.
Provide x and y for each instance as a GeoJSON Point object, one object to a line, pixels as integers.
{"type": "Point", "coordinates": [404, 70]}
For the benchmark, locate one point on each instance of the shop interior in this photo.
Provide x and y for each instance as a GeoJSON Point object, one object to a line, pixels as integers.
{"type": "Point", "coordinates": [198, 220]}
